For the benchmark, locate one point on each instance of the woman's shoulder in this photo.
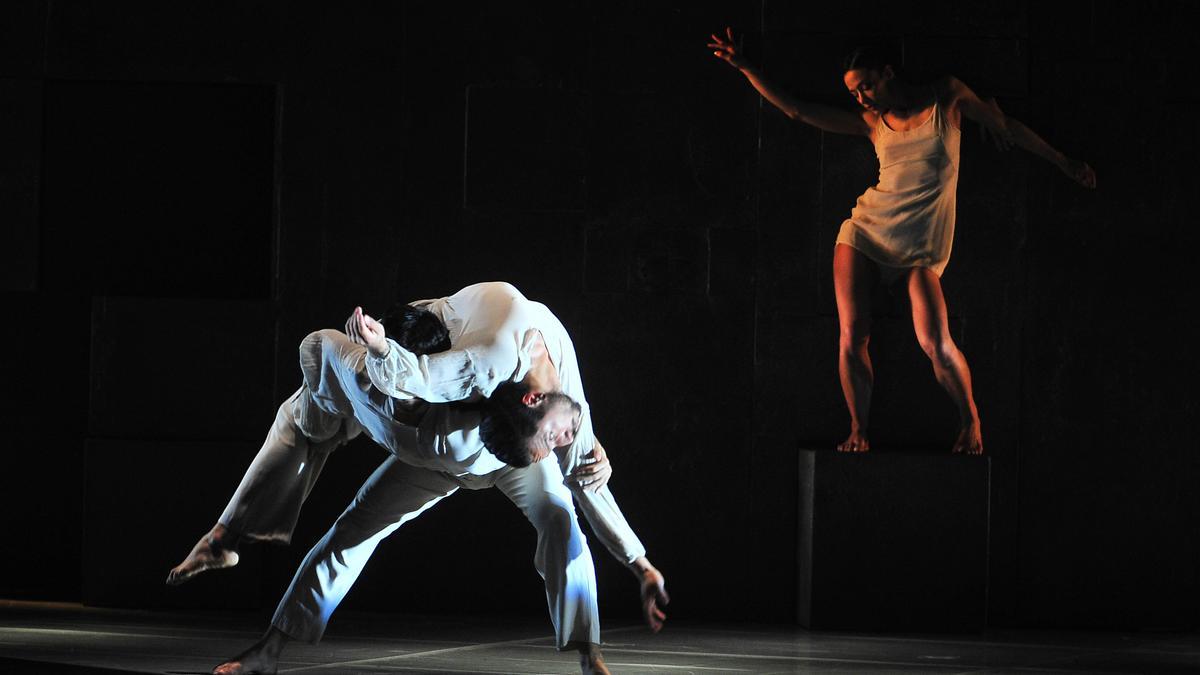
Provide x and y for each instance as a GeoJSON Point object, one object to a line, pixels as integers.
{"type": "Point", "coordinates": [946, 89]}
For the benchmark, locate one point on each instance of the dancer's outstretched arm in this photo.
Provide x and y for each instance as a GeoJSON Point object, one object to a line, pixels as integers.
{"type": "Point", "coordinates": [1009, 130]}
{"type": "Point", "coordinates": [588, 483]}
{"type": "Point", "coordinates": [823, 117]}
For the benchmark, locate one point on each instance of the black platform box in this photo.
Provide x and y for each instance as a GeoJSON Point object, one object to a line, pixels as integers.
{"type": "Point", "coordinates": [893, 541]}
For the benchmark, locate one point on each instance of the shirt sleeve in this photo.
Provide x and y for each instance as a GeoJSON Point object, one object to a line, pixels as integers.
{"type": "Point", "coordinates": [436, 378]}
{"type": "Point", "coordinates": [600, 507]}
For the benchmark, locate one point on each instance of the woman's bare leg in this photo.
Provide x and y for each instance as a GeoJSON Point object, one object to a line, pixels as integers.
{"type": "Point", "coordinates": [949, 365]}
{"type": "Point", "coordinates": [854, 277]}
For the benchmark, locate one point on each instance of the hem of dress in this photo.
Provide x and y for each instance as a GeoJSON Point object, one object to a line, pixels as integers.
{"type": "Point", "coordinates": [886, 278]}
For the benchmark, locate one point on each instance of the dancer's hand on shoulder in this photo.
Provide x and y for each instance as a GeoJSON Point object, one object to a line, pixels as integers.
{"type": "Point", "coordinates": [1080, 172]}
{"type": "Point", "coordinates": [365, 331]}
{"type": "Point", "coordinates": [595, 472]}
{"type": "Point", "coordinates": [728, 50]}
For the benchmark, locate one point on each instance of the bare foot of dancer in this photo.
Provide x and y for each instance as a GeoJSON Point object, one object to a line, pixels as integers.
{"type": "Point", "coordinates": [856, 442]}
{"type": "Point", "coordinates": [262, 657]}
{"type": "Point", "coordinates": [591, 661]}
{"type": "Point", "coordinates": [969, 441]}
{"type": "Point", "coordinates": [214, 551]}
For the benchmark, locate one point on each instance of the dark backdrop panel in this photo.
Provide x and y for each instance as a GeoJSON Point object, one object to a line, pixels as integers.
{"type": "Point", "coordinates": [44, 364]}
{"type": "Point", "coordinates": [525, 149]}
{"type": "Point", "coordinates": [146, 503]}
{"type": "Point", "coordinates": [20, 171]}
{"type": "Point", "coordinates": [183, 369]}
{"type": "Point", "coordinates": [1105, 472]}
{"type": "Point", "coordinates": [22, 38]}
{"type": "Point", "coordinates": [223, 41]}
{"type": "Point", "coordinates": [158, 189]}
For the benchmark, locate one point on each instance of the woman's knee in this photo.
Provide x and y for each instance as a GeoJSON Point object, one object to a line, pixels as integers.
{"type": "Point", "coordinates": [854, 337]}
{"type": "Point", "coordinates": [940, 348]}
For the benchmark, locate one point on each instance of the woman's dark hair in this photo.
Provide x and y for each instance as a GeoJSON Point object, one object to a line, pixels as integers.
{"type": "Point", "coordinates": [417, 330]}
{"type": "Point", "coordinates": [872, 57]}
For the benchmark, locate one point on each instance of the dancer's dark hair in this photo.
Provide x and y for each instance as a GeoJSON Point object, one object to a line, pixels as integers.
{"type": "Point", "coordinates": [417, 330]}
{"type": "Point", "coordinates": [509, 425]}
{"type": "Point", "coordinates": [873, 57]}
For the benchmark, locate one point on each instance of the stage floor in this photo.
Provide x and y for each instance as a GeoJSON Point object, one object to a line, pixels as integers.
{"type": "Point", "coordinates": [53, 638]}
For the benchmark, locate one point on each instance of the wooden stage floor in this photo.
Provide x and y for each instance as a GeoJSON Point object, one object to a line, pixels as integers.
{"type": "Point", "coordinates": [63, 638]}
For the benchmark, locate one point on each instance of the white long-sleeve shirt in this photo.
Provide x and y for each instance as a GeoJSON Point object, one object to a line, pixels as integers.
{"type": "Point", "coordinates": [491, 328]}
{"type": "Point", "coordinates": [441, 437]}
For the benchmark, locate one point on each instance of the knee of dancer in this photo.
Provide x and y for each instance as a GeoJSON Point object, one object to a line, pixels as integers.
{"type": "Point", "coordinates": [854, 338]}
{"type": "Point", "coordinates": [556, 524]}
{"type": "Point", "coordinates": [359, 524]}
{"type": "Point", "coordinates": [940, 349]}
{"type": "Point", "coordinates": [314, 345]}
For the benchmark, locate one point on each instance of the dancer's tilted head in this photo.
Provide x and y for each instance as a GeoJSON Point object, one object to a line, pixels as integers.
{"type": "Point", "coordinates": [521, 426]}
{"type": "Point", "coordinates": [870, 73]}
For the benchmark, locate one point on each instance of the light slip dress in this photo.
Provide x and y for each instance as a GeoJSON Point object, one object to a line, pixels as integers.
{"type": "Point", "coordinates": [907, 219]}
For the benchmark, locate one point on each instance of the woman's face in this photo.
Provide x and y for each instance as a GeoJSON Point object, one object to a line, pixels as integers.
{"type": "Point", "coordinates": [870, 87]}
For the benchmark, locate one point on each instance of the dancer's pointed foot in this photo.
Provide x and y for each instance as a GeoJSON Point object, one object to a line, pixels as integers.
{"type": "Point", "coordinates": [969, 442]}
{"type": "Point", "coordinates": [856, 442]}
{"type": "Point", "coordinates": [261, 658]}
{"type": "Point", "coordinates": [207, 554]}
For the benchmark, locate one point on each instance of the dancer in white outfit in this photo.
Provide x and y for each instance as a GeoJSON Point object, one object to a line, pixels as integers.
{"type": "Point", "coordinates": [437, 450]}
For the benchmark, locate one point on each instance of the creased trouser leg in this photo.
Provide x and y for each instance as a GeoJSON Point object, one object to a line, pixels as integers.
{"type": "Point", "coordinates": [393, 495]}
{"type": "Point", "coordinates": [267, 503]}
{"type": "Point", "coordinates": [562, 556]}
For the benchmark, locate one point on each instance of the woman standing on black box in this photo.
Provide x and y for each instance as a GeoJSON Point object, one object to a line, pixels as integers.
{"type": "Point", "coordinates": [901, 229]}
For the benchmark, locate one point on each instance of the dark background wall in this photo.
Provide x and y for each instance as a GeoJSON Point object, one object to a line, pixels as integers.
{"type": "Point", "coordinates": [187, 190]}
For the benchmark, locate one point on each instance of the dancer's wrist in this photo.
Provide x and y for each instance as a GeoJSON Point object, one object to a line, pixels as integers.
{"type": "Point", "coordinates": [641, 567]}
{"type": "Point", "coordinates": [380, 352]}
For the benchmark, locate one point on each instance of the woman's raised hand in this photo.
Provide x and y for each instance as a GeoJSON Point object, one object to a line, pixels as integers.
{"type": "Point", "coordinates": [1080, 172]}
{"type": "Point", "coordinates": [728, 49]}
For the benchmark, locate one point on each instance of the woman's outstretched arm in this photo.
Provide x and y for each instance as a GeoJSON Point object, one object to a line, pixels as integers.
{"type": "Point", "coordinates": [824, 117]}
{"type": "Point", "coordinates": [1009, 130]}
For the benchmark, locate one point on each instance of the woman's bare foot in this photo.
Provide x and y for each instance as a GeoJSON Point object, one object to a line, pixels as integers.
{"type": "Point", "coordinates": [591, 661]}
{"type": "Point", "coordinates": [262, 657]}
{"type": "Point", "coordinates": [856, 442]}
{"type": "Point", "coordinates": [210, 553]}
{"type": "Point", "coordinates": [969, 442]}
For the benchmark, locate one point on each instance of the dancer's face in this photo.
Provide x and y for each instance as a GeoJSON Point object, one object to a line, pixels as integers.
{"type": "Point", "coordinates": [870, 87]}
{"type": "Point", "coordinates": [557, 429]}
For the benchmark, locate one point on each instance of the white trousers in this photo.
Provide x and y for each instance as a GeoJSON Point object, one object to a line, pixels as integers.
{"type": "Point", "coordinates": [267, 503]}
{"type": "Point", "coordinates": [396, 493]}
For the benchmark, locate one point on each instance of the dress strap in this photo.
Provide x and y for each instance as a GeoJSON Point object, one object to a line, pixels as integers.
{"type": "Point", "coordinates": [938, 121]}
